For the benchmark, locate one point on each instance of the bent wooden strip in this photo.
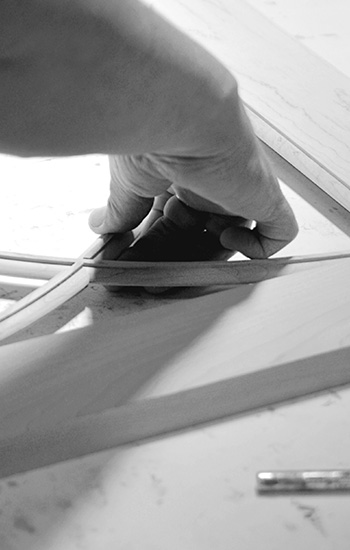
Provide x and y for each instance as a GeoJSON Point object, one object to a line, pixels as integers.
{"type": "Point", "coordinates": [32, 258]}
{"type": "Point", "coordinates": [14, 264]}
{"type": "Point", "coordinates": [155, 417]}
{"type": "Point", "coordinates": [298, 103]}
{"type": "Point", "coordinates": [46, 382]}
{"type": "Point", "coordinates": [185, 274]}
{"type": "Point", "coordinates": [63, 286]}
{"type": "Point", "coordinates": [170, 274]}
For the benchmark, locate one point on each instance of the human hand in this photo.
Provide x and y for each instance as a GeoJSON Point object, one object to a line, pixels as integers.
{"type": "Point", "coordinates": [116, 78]}
{"type": "Point", "coordinates": [221, 185]}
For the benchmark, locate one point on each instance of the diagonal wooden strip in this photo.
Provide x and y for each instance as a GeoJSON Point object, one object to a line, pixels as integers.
{"type": "Point", "coordinates": [63, 286]}
{"type": "Point", "coordinates": [47, 382]}
{"type": "Point", "coordinates": [32, 258]}
{"type": "Point", "coordinates": [165, 415]}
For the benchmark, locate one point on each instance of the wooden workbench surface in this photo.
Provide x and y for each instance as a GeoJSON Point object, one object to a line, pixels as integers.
{"type": "Point", "coordinates": [195, 489]}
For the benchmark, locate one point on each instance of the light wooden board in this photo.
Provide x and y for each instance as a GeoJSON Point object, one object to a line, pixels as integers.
{"type": "Point", "coordinates": [46, 382]}
{"type": "Point", "coordinates": [298, 103]}
{"type": "Point", "coordinates": [157, 416]}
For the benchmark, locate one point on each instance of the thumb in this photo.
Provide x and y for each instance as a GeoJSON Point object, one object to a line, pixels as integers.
{"type": "Point", "coordinates": [266, 238]}
{"type": "Point", "coordinates": [135, 182]}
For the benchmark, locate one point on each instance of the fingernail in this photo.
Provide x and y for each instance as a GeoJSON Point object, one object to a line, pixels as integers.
{"type": "Point", "coordinates": [97, 218]}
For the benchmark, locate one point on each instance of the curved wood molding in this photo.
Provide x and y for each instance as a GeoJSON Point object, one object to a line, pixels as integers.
{"type": "Point", "coordinates": [69, 281]}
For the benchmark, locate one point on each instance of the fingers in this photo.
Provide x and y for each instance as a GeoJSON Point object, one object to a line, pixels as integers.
{"type": "Point", "coordinates": [174, 231]}
{"type": "Point", "coordinates": [156, 213]}
{"type": "Point", "coordinates": [180, 234]}
{"type": "Point", "coordinates": [266, 238]}
{"type": "Point", "coordinates": [135, 181]}
{"type": "Point", "coordinates": [123, 212]}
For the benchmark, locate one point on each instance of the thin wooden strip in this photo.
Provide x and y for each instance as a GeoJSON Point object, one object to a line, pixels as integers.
{"type": "Point", "coordinates": [16, 264]}
{"type": "Point", "coordinates": [183, 274]}
{"type": "Point", "coordinates": [55, 292]}
{"type": "Point", "coordinates": [39, 293]}
{"type": "Point", "coordinates": [55, 282]}
{"type": "Point", "coordinates": [31, 270]}
{"type": "Point", "coordinates": [121, 273]}
{"type": "Point", "coordinates": [37, 304]}
{"type": "Point", "coordinates": [32, 258]}
{"type": "Point", "coordinates": [298, 103]}
{"type": "Point", "coordinates": [182, 410]}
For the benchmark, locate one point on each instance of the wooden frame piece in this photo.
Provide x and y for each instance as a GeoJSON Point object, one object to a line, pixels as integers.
{"type": "Point", "coordinates": [28, 266]}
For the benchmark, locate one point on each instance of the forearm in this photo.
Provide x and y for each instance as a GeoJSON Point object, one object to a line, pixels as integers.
{"type": "Point", "coordinates": [110, 76]}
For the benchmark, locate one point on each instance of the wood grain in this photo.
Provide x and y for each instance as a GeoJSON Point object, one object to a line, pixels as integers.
{"type": "Point", "coordinates": [299, 104]}
{"type": "Point", "coordinates": [219, 347]}
{"type": "Point", "coordinates": [186, 274]}
{"type": "Point", "coordinates": [186, 409]}
{"type": "Point", "coordinates": [58, 290]}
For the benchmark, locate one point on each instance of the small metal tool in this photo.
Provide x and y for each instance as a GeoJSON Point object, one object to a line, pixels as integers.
{"type": "Point", "coordinates": [289, 481]}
